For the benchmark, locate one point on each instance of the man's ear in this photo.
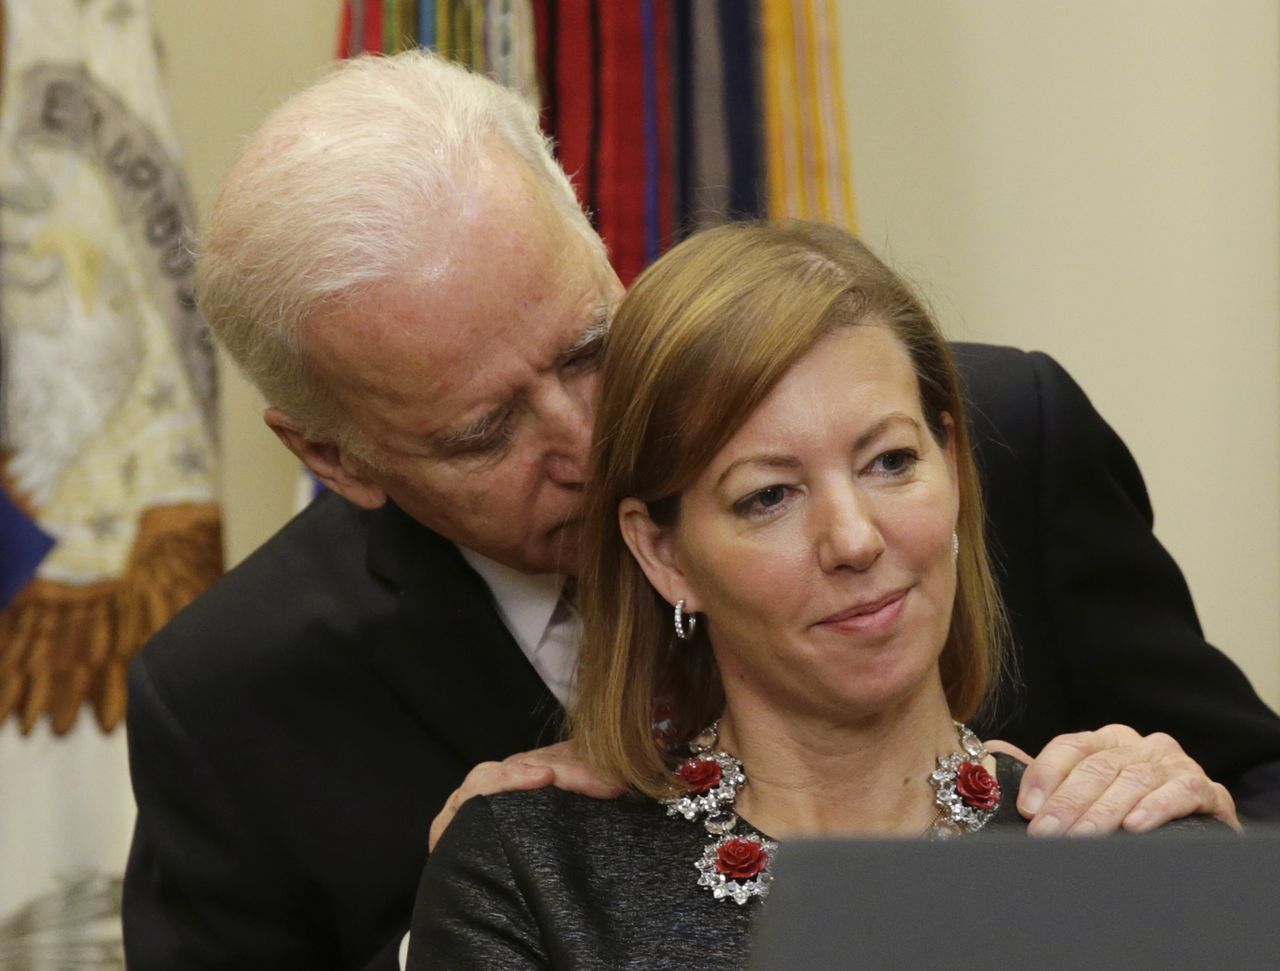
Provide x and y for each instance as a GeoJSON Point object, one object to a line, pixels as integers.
{"type": "Point", "coordinates": [653, 547]}
{"type": "Point", "coordinates": [329, 463]}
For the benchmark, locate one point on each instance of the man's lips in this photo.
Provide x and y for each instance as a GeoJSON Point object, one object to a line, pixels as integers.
{"type": "Point", "coordinates": [560, 528]}
{"type": "Point", "coordinates": [869, 617]}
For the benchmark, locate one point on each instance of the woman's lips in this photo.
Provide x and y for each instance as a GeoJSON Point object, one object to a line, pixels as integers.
{"type": "Point", "coordinates": [873, 618]}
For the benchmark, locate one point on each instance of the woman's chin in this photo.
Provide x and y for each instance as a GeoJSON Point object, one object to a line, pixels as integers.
{"type": "Point", "coordinates": [868, 694]}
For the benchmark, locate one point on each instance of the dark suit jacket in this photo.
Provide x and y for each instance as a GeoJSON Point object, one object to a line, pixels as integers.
{"type": "Point", "coordinates": [295, 730]}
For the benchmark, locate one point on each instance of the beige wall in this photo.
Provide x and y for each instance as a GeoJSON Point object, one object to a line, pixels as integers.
{"type": "Point", "coordinates": [1095, 179]}
{"type": "Point", "coordinates": [1099, 180]}
{"type": "Point", "coordinates": [228, 63]}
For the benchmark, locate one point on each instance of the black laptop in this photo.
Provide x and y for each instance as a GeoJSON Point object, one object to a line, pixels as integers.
{"type": "Point", "coordinates": [1176, 900]}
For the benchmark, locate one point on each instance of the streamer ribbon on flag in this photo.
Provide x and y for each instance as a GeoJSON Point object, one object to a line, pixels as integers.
{"type": "Point", "coordinates": [668, 115]}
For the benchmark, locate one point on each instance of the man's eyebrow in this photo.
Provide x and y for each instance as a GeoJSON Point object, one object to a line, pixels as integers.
{"type": "Point", "coordinates": [779, 461]}
{"type": "Point", "coordinates": [596, 330]}
{"type": "Point", "coordinates": [477, 432]}
{"type": "Point", "coordinates": [470, 436]}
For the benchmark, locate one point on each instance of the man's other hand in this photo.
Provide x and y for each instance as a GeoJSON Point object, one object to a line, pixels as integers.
{"type": "Point", "coordinates": [1092, 783]}
{"type": "Point", "coordinates": [556, 765]}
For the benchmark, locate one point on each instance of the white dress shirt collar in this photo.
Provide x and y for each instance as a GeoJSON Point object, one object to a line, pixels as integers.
{"type": "Point", "coordinates": [526, 604]}
{"type": "Point", "coordinates": [525, 601]}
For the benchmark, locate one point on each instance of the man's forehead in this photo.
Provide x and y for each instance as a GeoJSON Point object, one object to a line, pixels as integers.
{"type": "Point", "coordinates": [490, 278]}
{"type": "Point", "coordinates": [508, 289]}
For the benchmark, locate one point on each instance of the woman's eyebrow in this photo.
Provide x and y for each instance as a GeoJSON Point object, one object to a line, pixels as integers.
{"type": "Point", "coordinates": [771, 460]}
{"type": "Point", "coordinates": [777, 460]}
{"type": "Point", "coordinates": [883, 425]}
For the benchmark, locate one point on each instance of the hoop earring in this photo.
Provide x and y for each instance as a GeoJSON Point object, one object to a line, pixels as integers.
{"type": "Point", "coordinates": [685, 626]}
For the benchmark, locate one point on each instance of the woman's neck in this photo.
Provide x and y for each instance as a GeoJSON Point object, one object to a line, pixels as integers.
{"type": "Point", "coordinates": [821, 777]}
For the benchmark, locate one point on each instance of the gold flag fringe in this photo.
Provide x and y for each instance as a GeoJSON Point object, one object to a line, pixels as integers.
{"type": "Point", "coordinates": [62, 646]}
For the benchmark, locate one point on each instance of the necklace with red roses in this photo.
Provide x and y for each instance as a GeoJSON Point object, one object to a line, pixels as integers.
{"type": "Point", "coordinates": [736, 865]}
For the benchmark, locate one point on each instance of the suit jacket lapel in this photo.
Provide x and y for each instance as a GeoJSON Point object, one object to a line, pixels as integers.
{"type": "Point", "coordinates": [448, 656]}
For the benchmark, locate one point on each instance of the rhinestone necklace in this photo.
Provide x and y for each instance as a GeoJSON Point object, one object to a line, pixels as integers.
{"type": "Point", "coordinates": [737, 866]}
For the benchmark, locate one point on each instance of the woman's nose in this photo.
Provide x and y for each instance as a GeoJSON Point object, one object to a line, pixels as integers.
{"type": "Point", "coordinates": [848, 535]}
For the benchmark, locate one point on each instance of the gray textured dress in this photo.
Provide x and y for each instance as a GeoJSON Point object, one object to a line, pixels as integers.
{"type": "Point", "coordinates": [549, 879]}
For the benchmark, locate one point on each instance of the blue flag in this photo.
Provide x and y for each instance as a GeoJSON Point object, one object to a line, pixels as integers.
{"type": "Point", "coordinates": [23, 545]}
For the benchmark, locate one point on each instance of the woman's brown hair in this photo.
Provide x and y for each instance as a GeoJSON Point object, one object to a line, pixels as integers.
{"type": "Point", "coordinates": [697, 344]}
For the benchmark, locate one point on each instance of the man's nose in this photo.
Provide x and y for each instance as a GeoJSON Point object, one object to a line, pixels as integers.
{"type": "Point", "coordinates": [568, 419]}
{"type": "Point", "coordinates": [847, 533]}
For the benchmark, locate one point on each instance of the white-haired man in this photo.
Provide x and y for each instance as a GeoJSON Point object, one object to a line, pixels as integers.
{"type": "Point", "coordinates": [404, 271]}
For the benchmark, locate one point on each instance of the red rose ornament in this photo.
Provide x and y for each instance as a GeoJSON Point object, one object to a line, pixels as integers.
{"type": "Point", "coordinates": [700, 775]}
{"type": "Point", "coordinates": [741, 858]}
{"type": "Point", "coordinates": [977, 787]}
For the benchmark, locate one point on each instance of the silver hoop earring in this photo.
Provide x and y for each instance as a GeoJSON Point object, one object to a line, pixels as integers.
{"type": "Point", "coordinates": [955, 544]}
{"type": "Point", "coordinates": [685, 626]}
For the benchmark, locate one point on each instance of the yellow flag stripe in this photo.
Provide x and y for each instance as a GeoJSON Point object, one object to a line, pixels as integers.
{"type": "Point", "coordinates": [808, 174]}
{"type": "Point", "coordinates": [839, 174]}
{"type": "Point", "coordinates": [809, 52]}
{"type": "Point", "coordinates": [775, 151]}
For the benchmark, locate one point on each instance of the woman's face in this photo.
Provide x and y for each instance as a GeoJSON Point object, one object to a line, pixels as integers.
{"type": "Point", "coordinates": [817, 545]}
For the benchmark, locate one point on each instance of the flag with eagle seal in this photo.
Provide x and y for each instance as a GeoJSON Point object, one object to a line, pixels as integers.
{"type": "Point", "coordinates": [108, 520]}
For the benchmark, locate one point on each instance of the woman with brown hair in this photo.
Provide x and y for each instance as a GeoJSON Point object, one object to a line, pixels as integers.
{"type": "Point", "coordinates": [784, 580]}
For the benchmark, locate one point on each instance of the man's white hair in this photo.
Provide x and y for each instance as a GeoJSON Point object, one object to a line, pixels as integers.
{"type": "Point", "coordinates": [336, 193]}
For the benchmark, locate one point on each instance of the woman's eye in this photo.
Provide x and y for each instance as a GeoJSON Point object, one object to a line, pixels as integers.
{"type": "Point", "coordinates": [762, 501]}
{"type": "Point", "coordinates": [771, 496]}
{"type": "Point", "coordinates": [899, 461]}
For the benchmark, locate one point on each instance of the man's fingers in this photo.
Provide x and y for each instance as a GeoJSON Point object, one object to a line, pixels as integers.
{"type": "Point", "coordinates": [571, 773]}
{"type": "Point", "coordinates": [556, 765]}
{"type": "Point", "coordinates": [578, 777]}
{"type": "Point", "coordinates": [486, 779]}
{"type": "Point", "coordinates": [1086, 789]}
{"type": "Point", "coordinates": [1061, 757]}
{"type": "Point", "coordinates": [1178, 798]}
{"type": "Point", "coordinates": [1093, 783]}
{"type": "Point", "coordinates": [1132, 782]}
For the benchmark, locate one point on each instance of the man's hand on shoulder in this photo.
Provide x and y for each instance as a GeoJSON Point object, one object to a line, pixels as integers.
{"type": "Point", "coordinates": [556, 765]}
{"type": "Point", "coordinates": [1092, 783]}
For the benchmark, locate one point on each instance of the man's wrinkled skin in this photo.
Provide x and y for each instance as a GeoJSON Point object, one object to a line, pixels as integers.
{"type": "Point", "coordinates": [1093, 783]}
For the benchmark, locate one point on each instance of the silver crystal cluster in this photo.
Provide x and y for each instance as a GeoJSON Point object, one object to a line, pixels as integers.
{"type": "Point", "coordinates": [713, 800]}
{"type": "Point", "coordinates": [739, 891]}
{"type": "Point", "coordinates": [957, 816]}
